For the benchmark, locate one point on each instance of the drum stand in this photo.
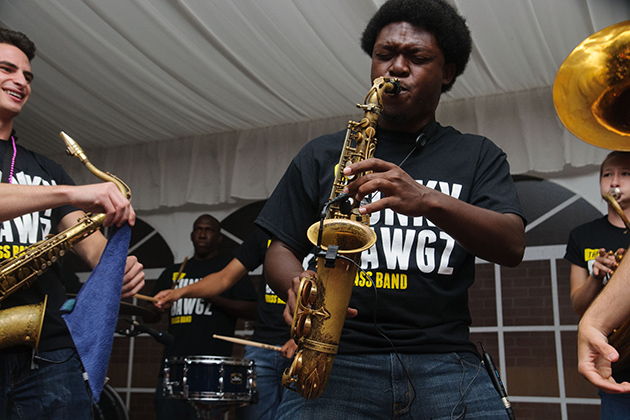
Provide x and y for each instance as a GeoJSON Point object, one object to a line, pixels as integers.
{"type": "Point", "coordinates": [209, 412]}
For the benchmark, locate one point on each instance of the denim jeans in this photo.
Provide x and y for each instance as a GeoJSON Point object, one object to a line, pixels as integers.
{"type": "Point", "coordinates": [55, 389]}
{"type": "Point", "coordinates": [269, 368]}
{"type": "Point", "coordinates": [447, 386]}
{"type": "Point", "coordinates": [614, 406]}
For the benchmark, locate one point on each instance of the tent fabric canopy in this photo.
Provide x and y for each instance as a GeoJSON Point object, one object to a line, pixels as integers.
{"type": "Point", "coordinates": [206, 102]}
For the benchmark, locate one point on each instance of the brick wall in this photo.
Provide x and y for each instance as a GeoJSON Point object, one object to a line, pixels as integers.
{"type": "Point", "coordinates": [526, 340]}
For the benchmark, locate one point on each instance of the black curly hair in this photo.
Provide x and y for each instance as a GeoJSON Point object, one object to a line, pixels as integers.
{"type": "Point", "coordinates": [19, 40]}
{"type": "Point", "coordinates": [436, 16]}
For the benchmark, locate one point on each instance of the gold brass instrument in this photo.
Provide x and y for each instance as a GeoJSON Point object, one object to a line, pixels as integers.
{"type": "Point", "coordinates": [322, 301]}
{"type": "Point", "coordinates": [591, 94]}
{"type": "Point", "coordinates": [22, 325]}
{"type": "Point", "coordinates": [591, 91]}
{"type": "Point", "coordinates": [16, 324]}
{"type": "Point", "coordinates": [612, 197]}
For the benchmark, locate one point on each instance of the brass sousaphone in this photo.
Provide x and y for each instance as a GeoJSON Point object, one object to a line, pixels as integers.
{"type": "Point", "coordinates": [591, 91]}
{"type": "Point", "coordinates": [591, 94]}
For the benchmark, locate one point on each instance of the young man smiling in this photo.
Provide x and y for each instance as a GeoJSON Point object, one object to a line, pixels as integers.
{"type": "Point", "coordinates": [38, 197]}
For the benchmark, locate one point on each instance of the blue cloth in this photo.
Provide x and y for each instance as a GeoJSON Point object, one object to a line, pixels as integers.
{"type": "Point", "coordinates": [269, 368]}
{"type": "Point", "coordinates": [92, 321]}
{"type": "Point", "coordinates": [614, 406]}
{"type": "Point", "coordinates": [53, 390]}
{"type": "Point", "coordinates": [448, 386]}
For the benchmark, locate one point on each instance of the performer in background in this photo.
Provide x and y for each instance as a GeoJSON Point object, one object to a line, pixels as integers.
{"type": "Point", "coordinates": [591, 263]}
{"type": "Point", "coordinates": [39, 198]}
{"type": "Point", "coordinates": [193, 321]}
{"type": "Point", "coordinates": [437, 199]}
{"type": "Point", "coordinates": [269, 327]}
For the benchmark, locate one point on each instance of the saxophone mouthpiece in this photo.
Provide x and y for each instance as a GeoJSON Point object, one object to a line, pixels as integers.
{"type": "Point", "coordinates": [73, 148]}
{"type": "Point", "coordinates": [393, 87]}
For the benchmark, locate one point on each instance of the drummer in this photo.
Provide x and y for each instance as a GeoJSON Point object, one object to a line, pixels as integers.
{"type": "Point", "coordinates": [193, 321]}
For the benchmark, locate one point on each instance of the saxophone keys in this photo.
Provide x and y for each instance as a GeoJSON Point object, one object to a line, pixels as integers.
{"type": "Point", "coordinates": [307, 292]}
{"type": "Point", "coordinates": [303, 326]}
{"type": "Point", "coordinates": [370, 132]}
{"type": "Point", "coordinates": [23, 273]}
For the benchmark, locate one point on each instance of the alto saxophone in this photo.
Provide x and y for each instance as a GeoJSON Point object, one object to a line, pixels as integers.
{"type": "Point", "coordinates": [23, 323]}
{"type": "Point", "coordinates": [322, 301]}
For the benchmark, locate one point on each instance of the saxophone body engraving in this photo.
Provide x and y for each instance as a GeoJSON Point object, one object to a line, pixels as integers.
{"type": "Point", "coordinates": [22, 324]}
{"type": "Point", "coordinates": [322, 301]}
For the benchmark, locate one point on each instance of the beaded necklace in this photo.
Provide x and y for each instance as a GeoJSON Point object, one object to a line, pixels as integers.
{"type": "Point", "coordinates": [12, 159]}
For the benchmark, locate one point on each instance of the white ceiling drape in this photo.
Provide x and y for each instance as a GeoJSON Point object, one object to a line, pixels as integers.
{"type": "Point", "coordinates": [206, 102]}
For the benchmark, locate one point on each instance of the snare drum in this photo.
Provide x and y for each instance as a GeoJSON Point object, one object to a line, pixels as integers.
{"type": "Point", "coordinates": [210, 379]}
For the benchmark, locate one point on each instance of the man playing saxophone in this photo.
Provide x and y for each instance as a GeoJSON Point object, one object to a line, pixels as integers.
{"type": "Point", "coordinates": [38, 197]}
{"type": "Point", "coordinates": [437, 199]}
{"type": "Point", "coordinates": [594, 250]}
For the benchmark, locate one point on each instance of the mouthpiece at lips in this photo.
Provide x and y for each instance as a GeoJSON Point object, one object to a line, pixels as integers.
{"type": "Point", "coordinates": [615, 193]}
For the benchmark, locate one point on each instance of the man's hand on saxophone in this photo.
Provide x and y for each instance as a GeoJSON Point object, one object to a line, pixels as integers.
{"type": "Point", "coordinates": [94, 198]}
{"type": "Point", "coordinates": [104, 198]}
{"type": "Point", "coordinates": [292, 294]}
{"type": "Point", "coordinates": [503, 241]}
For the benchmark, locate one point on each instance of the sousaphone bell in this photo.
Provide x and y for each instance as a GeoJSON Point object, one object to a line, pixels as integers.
{"type": "Point", "coordinates": [591, 92]}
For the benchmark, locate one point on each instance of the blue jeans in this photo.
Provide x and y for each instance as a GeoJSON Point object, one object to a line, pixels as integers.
{"type": "Point", "coordinates": [54, 389]}
{"type": "Point", "coordinates": [447, 386]}
{"type": "Point", "coordinates": [269, 368]}
{"type": "Point", "coordinates": [614, 406]}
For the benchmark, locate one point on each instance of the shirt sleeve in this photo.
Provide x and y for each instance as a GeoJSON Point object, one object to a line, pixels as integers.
{"type": "Point", "coordinates": [252, 251]}
{"type": "Point", "coordinates": [574, 253]}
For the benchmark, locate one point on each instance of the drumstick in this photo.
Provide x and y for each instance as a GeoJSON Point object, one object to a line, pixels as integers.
{"type": "Point", "coordinates": [247, 342]}
{"type": "Point", "coordinates": [145, 297]}
{"type": "Point", "coordinates": [153, 299]}
{"type": "Point", "coordinates": [179, 273]}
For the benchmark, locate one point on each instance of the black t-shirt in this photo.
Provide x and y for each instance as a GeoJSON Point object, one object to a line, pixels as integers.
{"type": "Point", "coordinates": [193, 321]}
{"type": "Point", "coordinates": [34, 169]}
{"type": "Point", "coordinates": [422, 275]}
{"type": "Point", "coordinates": [586, 240]}
{"type": "Point", "coordinates": [269, 326]}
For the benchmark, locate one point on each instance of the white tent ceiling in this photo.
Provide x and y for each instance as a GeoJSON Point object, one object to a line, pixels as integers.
{"type": "Point", "coordinates": [242, 84]}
